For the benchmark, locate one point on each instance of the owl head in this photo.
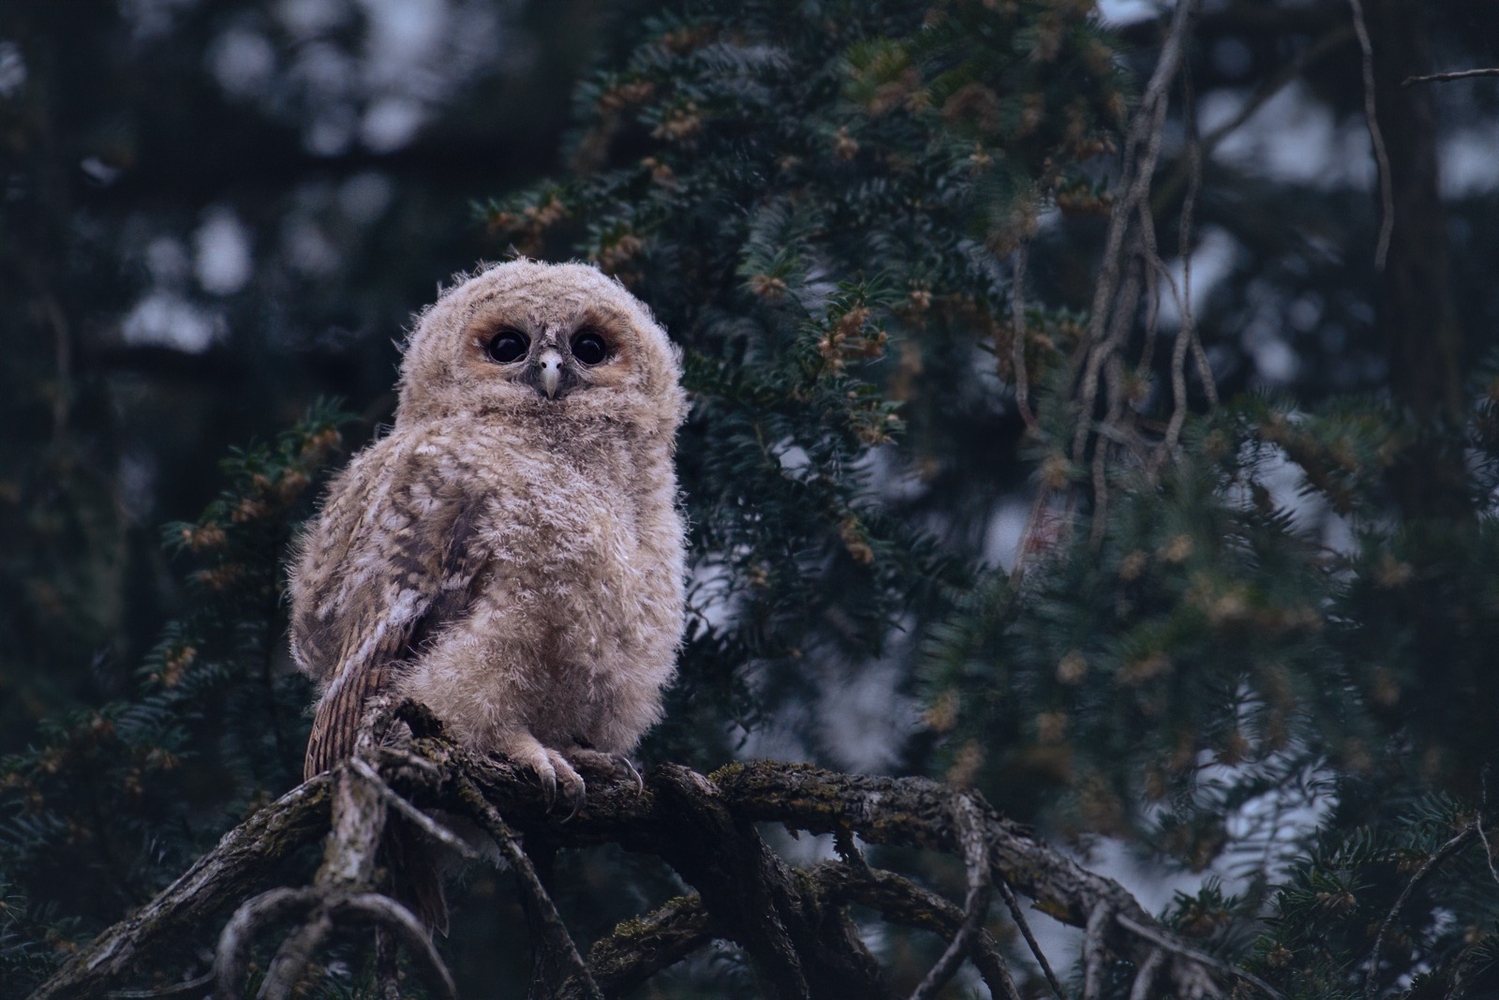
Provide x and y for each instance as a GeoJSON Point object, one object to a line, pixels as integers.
{"type": "Point", "coordinates": [530, 341]}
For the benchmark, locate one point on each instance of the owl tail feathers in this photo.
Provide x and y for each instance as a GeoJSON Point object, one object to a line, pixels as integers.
{"type": "Point", "coordinates": [416, 876]}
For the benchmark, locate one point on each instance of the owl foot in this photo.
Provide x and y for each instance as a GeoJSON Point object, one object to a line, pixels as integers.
{"type": "Point", "coordinates": [559, 775]}
{"type": "Point", "coordinates": [553, 772]}
{"type": "Point", "coordinates": [612, 763]}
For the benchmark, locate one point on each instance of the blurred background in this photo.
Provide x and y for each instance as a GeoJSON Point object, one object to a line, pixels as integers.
{"type": "Point", "coordinates": [216, 213]}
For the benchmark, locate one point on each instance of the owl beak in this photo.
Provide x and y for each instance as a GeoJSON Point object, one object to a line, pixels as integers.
{"type": "Point", "coordinates": [550, 364]}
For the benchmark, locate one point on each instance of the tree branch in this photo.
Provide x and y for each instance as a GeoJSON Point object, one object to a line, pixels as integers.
{"type": "Point", "coordinates": [792, 924]}
{"type": "Point", "coordinates": [245, 862]}
{"type": "Point", "coordinates": [1462, 74]}
{"type": "Point", "coordinates": [1451, 847]}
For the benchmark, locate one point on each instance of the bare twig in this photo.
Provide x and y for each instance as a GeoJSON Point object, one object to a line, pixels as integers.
{"type": "Point", "coordinates": [1462, 74]}
{"type": "Point", "coordinates": [1100, 496]}
{"type": "Point", "coordinates": [1030, 533]}
{"type": "Point", "coordinates": [558, 941]}
{"type": "Point", "coordinates": [1186, 332]}
{"type": "Point", "coordinates": [1483, 805]}
{"type": "Point", "coordinates": [295, 954]}
{"type": "Point", "coordinates": [387, 913]}
{"type": "Point", "coordinates": [1018, 337]}
{"type": "Point", "coordinates": [1152, 321]}
{"type": "Point", "coordinates": [1018, 916]}
{"type": "Point", "coordinates": [1200, 958]}
{"type": "Point", "coordinates": [901, 901]}
{"type": "Point", "coordinates": [239, 933]}
{"type": "Point", "coordinates": [1193, 955]}
{"type": "Point", "coordinates": [1095, 951]}
{"type": "Point", "coordinates": [189, 987]}
{"type": "Point", "coordinates": [1273, 85]}
{"type": "Point", "coordinates": [291, 960]}
{"type": "Point", "coordinates": [1120, 326]}
{"type": "Point", "coordinates": [340, 889]}
{"type": "Point", "coordinates": [1128, 261]}
{"type": "Point", "coordinates": [1376, 136]}
{"type": "Point", "coordinates": [1441, 854]}
{"type": "Point", "coordinates": [357, 823]}
{"type": "Point", "coordinates": [421, 820]}
{"type": "Point", "coordinates": [1145, 977]}
{"type": "Point", "coordinates": [975, 843]}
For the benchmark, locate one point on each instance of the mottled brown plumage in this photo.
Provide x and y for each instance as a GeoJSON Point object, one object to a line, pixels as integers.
{"type": "Point", "coordinates": [510, 554]}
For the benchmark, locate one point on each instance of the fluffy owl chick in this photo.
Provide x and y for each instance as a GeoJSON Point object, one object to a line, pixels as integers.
{"type": "Point", "coordinates": [510, 554]}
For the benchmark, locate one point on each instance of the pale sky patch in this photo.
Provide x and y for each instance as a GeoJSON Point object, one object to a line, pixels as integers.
{"type": "Point", "coordinates": [223, 262]}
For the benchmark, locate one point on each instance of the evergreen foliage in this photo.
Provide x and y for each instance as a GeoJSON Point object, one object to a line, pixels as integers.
{"type": "Point", "coordinates": [112, 803]}
{"type": "Point", "coordinates": [1270, 667]}
{"type": "Point", "coordinates": [812, 198]}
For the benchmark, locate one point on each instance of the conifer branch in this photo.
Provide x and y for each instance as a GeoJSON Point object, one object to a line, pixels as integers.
{"type": "Point", "coordinates": [791, 924]}
{"type": "Point", "coordinates": [1441, 854]}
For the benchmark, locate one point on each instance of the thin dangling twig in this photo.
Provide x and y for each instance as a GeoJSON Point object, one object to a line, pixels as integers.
{"type": "Point", "coordinates": [1376, 136]}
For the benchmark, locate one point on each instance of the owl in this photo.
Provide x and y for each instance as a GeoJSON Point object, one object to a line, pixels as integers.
{"type": "Point", "coordinates": [510, 554]}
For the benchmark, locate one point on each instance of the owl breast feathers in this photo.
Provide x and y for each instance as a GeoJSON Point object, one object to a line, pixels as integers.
{"type": "Point", "coordinates": [510, 554]}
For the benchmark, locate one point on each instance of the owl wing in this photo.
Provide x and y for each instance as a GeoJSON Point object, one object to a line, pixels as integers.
{"type": "Point", "coordinates": [399, 564]}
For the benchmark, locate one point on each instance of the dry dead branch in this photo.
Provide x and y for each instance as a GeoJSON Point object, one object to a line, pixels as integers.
{"type": "Point", "coordinates": [1106, 361]}
{"type": "Point", "coordinates": [1462, 74]}
{"type": "Point", "coordinates": [1376, 137]}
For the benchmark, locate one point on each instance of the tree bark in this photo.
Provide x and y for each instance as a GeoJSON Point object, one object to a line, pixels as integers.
{"type": "Point", "coordinates": [1416, 315]}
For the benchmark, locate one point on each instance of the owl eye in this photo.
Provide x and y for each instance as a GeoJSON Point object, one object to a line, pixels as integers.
{"type": "Point", "coordinates": [589, 347]}
{"type": "Point", "coordinates": [508, 346]}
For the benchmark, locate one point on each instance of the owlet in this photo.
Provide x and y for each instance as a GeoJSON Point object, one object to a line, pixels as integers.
{"type": "Point", "coordinates": [511, 553]}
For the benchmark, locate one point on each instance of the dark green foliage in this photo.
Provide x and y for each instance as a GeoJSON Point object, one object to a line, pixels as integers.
{"type": "Point", "coordinates": [811, 197]}
{"type": "Point", "coordinates": [1212, 670]}
{"type": "Point", "coordinates": [110, 804]}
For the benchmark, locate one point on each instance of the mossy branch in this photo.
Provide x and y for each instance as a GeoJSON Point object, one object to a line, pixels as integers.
{"type": "Point", "coordinates": [791, 923]}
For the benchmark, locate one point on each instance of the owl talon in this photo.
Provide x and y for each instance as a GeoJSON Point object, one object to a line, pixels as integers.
{"type": "Point", "coordinates": [548, 782]}
{"type": "Point", "coordinates": [612, 763]}
{"type": "Point", "coordinates": [575, 806]}
{"type": "Point", "coordinates": [572, 790]}
{"type": "Point", "coordinates": [629, 767]}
